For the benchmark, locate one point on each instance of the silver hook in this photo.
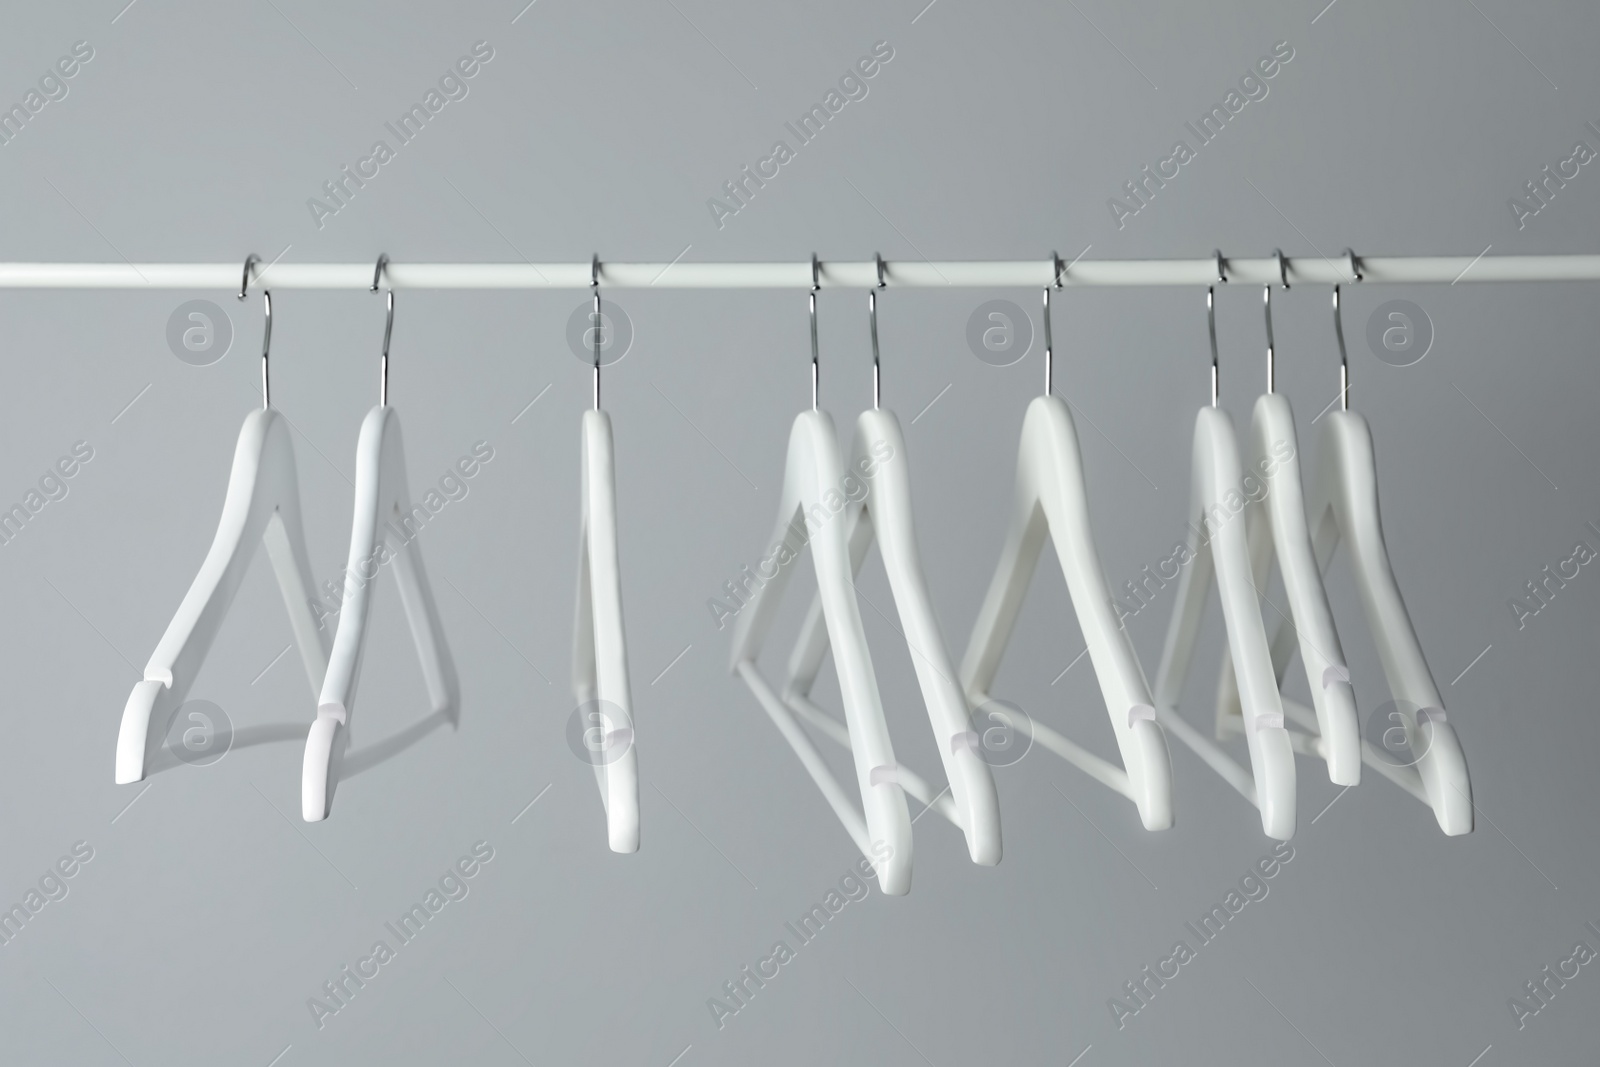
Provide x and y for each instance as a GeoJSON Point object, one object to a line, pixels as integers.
{"type": "Point", "coordinates": [1344, 361]}
{"type": "Point", "coordinates": [816, 286]}
{"type": "Point", "coordinates": [872, 314]}
{"type": "Point", "coordinates": [1211, 323]}
{"type": "Point", "coordinates": [1266, 298]}
{"type": "Point", "coordinates": [266, 348]}
{"type": "Point", "coordinates": [244, 283]}
{"type": "Point", "coordinates": [1057, 269]}
{"type": "Point", "coordinates": [388, 331]}
{"type": "Point", "coordinates": [594, 285]}
{"type": "Point", "coordinates": [1222, 273]}
{"type": "Point", "coordinates": [266, 341]}
{"type": "Point", "coordinates": [1353, 264]}
{"type": "Point", "coordinates": [266, 336]}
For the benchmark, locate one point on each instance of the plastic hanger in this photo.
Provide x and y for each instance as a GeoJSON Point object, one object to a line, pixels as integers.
{"type": "Point", "coordinates": [1344, 505]}
{"type": "Point", "coordinates": [378, 536]}
{"type": "Point", "coordinates": [600, 649]}
{"type": "Point", "coordinates": [884, 514]}
{"type": "Point", "coordinates": [813, 479]}
{"type": "Point", "coordinates": [1217, 502]}
{"type": "Point", "coordinates": [1051, 499]}
{"type": "Point", "coordinates": [262, 505]}
{"type": "Point", "coordinates": [1277, 524]}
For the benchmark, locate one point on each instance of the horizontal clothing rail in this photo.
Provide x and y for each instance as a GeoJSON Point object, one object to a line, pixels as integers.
{"type": "Point", "coordinates": [970, 274]}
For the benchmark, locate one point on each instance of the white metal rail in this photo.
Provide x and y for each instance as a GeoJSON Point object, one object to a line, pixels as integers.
{"type": "Point", "coordinates": [832, 275]}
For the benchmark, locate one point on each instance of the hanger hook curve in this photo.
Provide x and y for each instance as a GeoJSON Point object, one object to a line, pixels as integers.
{"type": "Point", "coordinates": [244, 283]}
{"type": "Point", "coordinates": [1222, 265]}
{"type": "Point", "coordinates": [1283, 267]}
{"type": "Point", "coordinates": [1353, 264]}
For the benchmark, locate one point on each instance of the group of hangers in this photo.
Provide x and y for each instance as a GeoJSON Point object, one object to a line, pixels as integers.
{"type": "Point", "coordinates": [262, 505]}
{"type": "Point", "coordinates": [1050, 500]}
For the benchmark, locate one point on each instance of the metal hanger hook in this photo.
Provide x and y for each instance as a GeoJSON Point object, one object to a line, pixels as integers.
{"type": "Point", "coordinates": [1222, 264]}
{"type": "Point", "coordinates": [1266, 304]}
{"type": "Point", "coordinates": [1266, 300]}
{"type": "Point", "coordinates": [266, 349]}
{"type": "Point", "coordinates": [872, 316]}
{"type": "Point", "coordinates": [266, 330]}
{"type": "Point", "coordinates": [388, 330]}
{"type": "Point", "coordinates": [1344, 360]}
{"type": "Point", "coordinates": [594, 285]}
{"type": "Point", "coordinates": [1353, 264]}
{"type": "Point", "coordinates": [1057, 269]}
{"type": "Point", "coordinates": [1211, 324]}
{"type": "Point", "coordinates": [244, 283]}
{"type": "Point", "coordinates": [816, 286]}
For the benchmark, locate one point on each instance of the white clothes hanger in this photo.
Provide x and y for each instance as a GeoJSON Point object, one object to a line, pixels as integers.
{"type": "Point", "coordinates": [1051, 499]}
{"type": "Point", "coordinates": [1344, 505]}
{"type": "Point", "coordinates": [813, 477]}
{"type": "Point", "coordinates": [1277, 524]}
{"type": "Point", "coordinates": [600, 649]}
{"type": "Point", "coordinates": [382, 499]}
{"type": "Point", "coordinates": [884, 514]}
{"type": "Point", "coordinates": [262, 505]}
{"type": "Point", "coordinates": [1217, 480]}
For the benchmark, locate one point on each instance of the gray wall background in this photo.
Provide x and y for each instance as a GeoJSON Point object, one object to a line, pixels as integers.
{"type": "Point", "coordinates": [209, 913]}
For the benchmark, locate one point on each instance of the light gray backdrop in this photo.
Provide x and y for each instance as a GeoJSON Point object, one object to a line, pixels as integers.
{"type": "Point", "coordinates": [209, 914]}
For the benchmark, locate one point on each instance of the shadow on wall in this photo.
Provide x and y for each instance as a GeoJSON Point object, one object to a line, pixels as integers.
{"type": "Point", "coordinates": [203, 746]}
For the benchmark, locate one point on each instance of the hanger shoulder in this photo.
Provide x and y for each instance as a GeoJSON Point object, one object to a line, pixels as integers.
{"type": "Point", "coordinates": [262, 502]}
{"type": "Point", "coordinates": [813, 502]}
{"type": "Point", "coordinates": [384, 529]}
{"type": "Point", "coordinates": [1051, 501]}
{"type": "Point", "coordinates": [1274, 460]}
{"type": "Point", "coordinates": [600, 634]}
{"type": "Point", "coordinates": [971, 780]}
{"type": "Point", "coordinates": [878, 477]}
{"type": "Point", "coordinates": [1220, 502]}
{"type": "Point", "coordinates": [1053, 453]}
{"type": "Point", "coordinates": [1350, 486]}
